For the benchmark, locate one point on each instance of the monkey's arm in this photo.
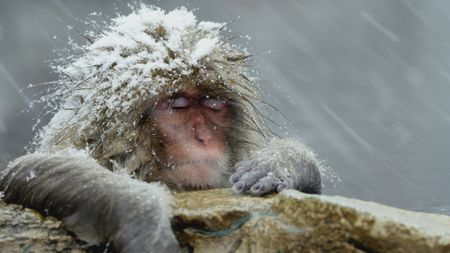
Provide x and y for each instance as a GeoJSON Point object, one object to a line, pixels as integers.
{"type": "Point", "coordinates": [283, 164]}
{"type": "Point", "coordinates": [93, 202]}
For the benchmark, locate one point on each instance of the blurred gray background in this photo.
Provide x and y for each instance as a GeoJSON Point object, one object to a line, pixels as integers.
{"type": "Point", "coordinates": [365, 83]}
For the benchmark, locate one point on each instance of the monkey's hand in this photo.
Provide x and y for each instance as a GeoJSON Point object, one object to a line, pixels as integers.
{"type": "Point", "coordinates": [283, 164]}
{"type": "Point", "coordinates": [93, 202]}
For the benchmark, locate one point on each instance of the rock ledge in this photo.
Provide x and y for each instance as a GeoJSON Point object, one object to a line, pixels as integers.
{"type": "Point", "coordinates": [220, 221]}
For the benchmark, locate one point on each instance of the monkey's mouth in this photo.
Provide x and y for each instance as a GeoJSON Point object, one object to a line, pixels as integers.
{"type": "Point", "coordinates": [196, 174]}
{"type": "Point", "coordinates": [202, 162]}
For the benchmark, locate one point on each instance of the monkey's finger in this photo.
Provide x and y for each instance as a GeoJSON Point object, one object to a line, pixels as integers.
{"type": "Point", "coordinates": [287, 183]}
{"type": "Point", "coordinates": [263, 186]}
{"type": "Point", "coordinates": [240, 168]}
{"type": "Point", "coordinates": [239, 187]}
{"type": "Point", "coordinates": [243, 166]}
{"type": "Point", "coordinates": [252, 176]}
{"type": "Point", "coordinates": [248, 179]}
{"type": "Point", "coordinates": [235, 177]}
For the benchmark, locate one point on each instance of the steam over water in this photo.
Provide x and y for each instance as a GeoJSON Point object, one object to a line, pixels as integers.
{"type": "Point", "coordinates": [366, 84]}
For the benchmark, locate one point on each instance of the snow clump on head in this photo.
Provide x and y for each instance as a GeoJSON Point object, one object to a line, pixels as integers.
{"type": "Point", "coordinates": [102, 92]}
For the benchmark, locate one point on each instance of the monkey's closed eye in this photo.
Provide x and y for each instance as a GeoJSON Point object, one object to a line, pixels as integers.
{"type": "Point", "coordinates": [215, 104]}
{"type": "Point", "coordinates": [179, 102]}
{"type": "Point", "coordinates": [173, 103]}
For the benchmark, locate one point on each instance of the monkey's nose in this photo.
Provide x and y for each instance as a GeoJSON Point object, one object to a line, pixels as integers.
{"type": "Point", "coordinates": [203, 135]}
{"type": "Point", "coordinates": [202, 132]}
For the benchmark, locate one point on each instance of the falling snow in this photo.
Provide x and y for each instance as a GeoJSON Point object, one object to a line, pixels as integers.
{"type": "Point", "coordinates": [365, 84]}
{"type": "Point", "coordinates": [128, 63]}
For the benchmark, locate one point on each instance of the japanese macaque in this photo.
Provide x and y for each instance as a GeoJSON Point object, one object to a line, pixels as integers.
{"type": "Point", "coordinates": [159, 101]}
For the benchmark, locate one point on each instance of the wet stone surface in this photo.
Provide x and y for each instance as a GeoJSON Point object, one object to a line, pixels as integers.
{"type": "Point", "coordinates": [220, 221]}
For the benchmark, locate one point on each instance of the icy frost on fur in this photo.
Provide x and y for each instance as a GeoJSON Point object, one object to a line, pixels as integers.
{"type": "Point", "coordinates": [100, 92]}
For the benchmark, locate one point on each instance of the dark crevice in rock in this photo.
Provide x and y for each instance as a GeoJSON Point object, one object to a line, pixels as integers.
{"type": "Point", "coordinates": [195, 228]}
{"type": "Point", "coordinates": [360, 246]}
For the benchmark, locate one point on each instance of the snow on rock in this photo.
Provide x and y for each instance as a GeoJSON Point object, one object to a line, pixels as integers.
{"type": "Point", "coordinates": [435, 225]}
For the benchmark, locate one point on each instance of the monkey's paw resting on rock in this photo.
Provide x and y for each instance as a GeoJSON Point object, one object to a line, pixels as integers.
{"type": "Point", "coordinates": [282, 164]}
{"type": "Point", "coordinates": [93, 202]}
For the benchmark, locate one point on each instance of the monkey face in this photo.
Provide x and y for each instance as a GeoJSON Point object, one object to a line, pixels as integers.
{"type": "Point", "coordinates": [192, 126]}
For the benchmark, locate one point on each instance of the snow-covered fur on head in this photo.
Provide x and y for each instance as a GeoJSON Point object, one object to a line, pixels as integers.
{"type": "Point", "coordinates": [103, 92]}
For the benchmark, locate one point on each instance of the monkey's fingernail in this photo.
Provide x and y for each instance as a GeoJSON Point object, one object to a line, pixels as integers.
{"type": "Point", "coordinates": [239, 187]}
{"type": "Point", "coordinates": [256, 187]}
{"type": "Point", "coordinates": [260, 189]}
